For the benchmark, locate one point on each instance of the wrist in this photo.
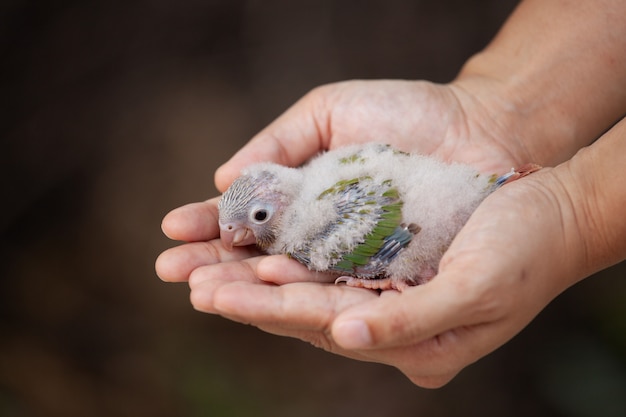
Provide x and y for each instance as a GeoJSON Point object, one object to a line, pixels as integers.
{"type": "Point", "coordinates": [591, 192]}
{"type": "Point", "coordinates": [555, 90]}
{"type": "Point", "coordinates": [488, 103]}
{"type": "Point", "coordinates": [595, 180]}
{"type": "Point", "coordinates": [528, 113]}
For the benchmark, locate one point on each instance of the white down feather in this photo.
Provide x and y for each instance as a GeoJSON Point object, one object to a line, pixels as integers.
{"type": "Point", "coordinates": [437, 196]}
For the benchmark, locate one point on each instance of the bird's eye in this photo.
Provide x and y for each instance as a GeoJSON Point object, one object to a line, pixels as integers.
{"type": "Point", "coordinates": [260, 215]}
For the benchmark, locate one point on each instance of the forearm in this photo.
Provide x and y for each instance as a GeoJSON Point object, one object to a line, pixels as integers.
{"type": "Point", "coordinates": [557, 75]}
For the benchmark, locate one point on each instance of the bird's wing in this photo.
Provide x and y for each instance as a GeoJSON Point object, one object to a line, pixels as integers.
{"type": "Point", "coordinates": [367, 233]}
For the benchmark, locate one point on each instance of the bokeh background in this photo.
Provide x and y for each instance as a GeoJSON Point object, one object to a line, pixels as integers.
{"type": "Point", "coordinates": [113, 113]}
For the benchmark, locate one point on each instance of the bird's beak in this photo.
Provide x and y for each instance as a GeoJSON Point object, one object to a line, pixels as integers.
{"type": "Point", "coordinates": [236, 236]}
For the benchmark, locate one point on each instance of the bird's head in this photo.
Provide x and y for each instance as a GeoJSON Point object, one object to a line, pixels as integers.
{"type": "Point", "coordinates": [250, 210]}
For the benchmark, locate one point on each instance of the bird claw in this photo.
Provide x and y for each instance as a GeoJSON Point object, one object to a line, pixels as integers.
{"type": "Point", "coordinates": [518, 173]}
{"type": "Point", "coordinates": [373, 284]}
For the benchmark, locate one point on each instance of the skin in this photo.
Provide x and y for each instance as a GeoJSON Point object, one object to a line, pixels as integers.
{"type": "Point", "coordinates": [539, 92]}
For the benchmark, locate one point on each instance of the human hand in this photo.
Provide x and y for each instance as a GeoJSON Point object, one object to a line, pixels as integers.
{"type": "Point", "coordinates": [448, 121]}
{"type": "Point", "coordinates": [239, 284]}
{"type": "Point", "coordinates": [443, 120]}
{"type": "Point", "coordinates": [491, 283]}
{"type": "Point", "coordinates": [513, 103]}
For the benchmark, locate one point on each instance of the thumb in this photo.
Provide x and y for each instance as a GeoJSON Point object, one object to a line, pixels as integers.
{"type": "Point", "coordinates": [398, 319]}
{"type": "Point", "coordinates": [294, 137]}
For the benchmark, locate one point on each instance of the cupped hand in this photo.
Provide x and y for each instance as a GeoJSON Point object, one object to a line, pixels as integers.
{"type": "Point", "coordinates": [493, 280]}
{"type": "Point", "coordinates": [429, 332]}
{"type": "Point", "coordinates": [447, 121]}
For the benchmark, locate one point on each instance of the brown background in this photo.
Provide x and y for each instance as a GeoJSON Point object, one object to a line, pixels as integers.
{"type": "Point", "coordinates": [111, 115]}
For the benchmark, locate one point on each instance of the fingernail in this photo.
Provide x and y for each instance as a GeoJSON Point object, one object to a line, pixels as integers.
{"type": "Point", "coordinates": [352, 334]}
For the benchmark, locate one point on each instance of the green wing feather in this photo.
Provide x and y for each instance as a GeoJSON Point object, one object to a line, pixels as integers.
{"type": "Point", "coordinates": [355, 199]}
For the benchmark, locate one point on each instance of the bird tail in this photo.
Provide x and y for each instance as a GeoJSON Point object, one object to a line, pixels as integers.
{"type": "Point", "coordinates": [515, 174]}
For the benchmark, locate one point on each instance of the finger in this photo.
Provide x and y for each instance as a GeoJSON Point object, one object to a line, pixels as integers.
{"type": "Point", "coordinates": [435, 361]}
{"type": "Point", "coordinates": [417, 314]}
{"type": "Point", "coordinates": [291, 139]}
{"type": "Point", "coordinates": [192, 222]}
{"type": "Point", "coordinates": [431, 363]}
{"type": "Point", "coordinates": [319, 339]}
{"type": "Point", "coordinates": [176, 264]}
{"type": "Point", "coordinates": [302, 310]}
{"type": "Point", "coordinates": [281, 269]}
{"type": "Point", "coordinates": [304, 306]}
{"type": "Point", "coordinates": [206, 280]}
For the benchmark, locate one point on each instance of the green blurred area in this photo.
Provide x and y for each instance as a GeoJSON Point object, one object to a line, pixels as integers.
{"type": "Point", "coordinates": [113, 114]}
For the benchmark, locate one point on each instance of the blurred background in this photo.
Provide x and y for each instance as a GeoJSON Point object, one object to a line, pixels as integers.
{"type": "Point", "coordinates": [113, 113]}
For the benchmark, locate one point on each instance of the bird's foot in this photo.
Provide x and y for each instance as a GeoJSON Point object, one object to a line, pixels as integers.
{"type": "Point", "coordinates": [518, 173]}
{"type": "Point", "coordinates": [373, 284]}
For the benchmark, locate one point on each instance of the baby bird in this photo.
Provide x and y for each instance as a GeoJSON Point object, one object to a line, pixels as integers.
{"type": "Point", "coordinates": [374, 216]}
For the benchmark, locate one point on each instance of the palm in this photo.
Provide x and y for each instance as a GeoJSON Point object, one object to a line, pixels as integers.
{"type": "Point", "coordinates": [416, 116]}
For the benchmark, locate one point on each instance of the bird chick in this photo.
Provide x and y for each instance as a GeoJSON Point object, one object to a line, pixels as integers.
{"type": "Point", "coordinates": [374, 216]}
